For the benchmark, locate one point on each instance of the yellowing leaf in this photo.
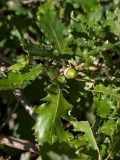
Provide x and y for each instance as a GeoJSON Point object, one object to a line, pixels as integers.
{"type": "Point", "coordinates": [18, 66]}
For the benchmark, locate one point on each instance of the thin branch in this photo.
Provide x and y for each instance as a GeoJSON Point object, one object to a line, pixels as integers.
{"type": "Point", "coordinates": [99, 156]}
{"type": "Point", "coordinates": [19, 144]}
{"type": "Point", "coordinates": [9, 116]}
{"type": "Point", "coordinates": [18, 93]}
{"type": "Point", "coordinates": [85, 80]}
{"type": "Point", "coordinates": [27, 1]}
{"type": "Point", "coordinates": [108, 157]}
{"type": "Point", "coordinates": [21, 98]}
{"type": "Point", "coordinates": [91, 68]}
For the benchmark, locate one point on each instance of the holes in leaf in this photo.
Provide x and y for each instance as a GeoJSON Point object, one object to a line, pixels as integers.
{"type": "Point", "coordinates": [68, 127]}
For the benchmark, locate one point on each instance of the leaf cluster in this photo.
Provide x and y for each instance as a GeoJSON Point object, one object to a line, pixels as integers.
{"type": "Point", "coordinates": [76, 118]}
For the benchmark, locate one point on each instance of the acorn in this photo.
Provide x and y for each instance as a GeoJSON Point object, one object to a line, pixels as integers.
{"type": "Point", "coordinates": [70, 73]}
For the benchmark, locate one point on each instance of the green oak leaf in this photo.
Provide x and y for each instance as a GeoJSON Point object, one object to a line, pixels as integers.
{"type": "Point", "coordinates": [55, 156]}
{"type": "Point", "coordinates": [53, 72]}
{"type": "Point", "coordinates": [103, 107]}
{"type": "Point", "coordinates": [18, 66]}
{"type": "Point", "coordinates": [88, 137]}
{"type": "Point", "coordinates": [53, 29]}
{"type": "Point", "coordinates": [20, 80]}
{"type": "Point", "coordinates": [48, 127]}
{"type": "Point", "coordinates": [115, 142]}
{"type": "Point", "coordinates": [108, 127]}
{"type": "Point", "coordinates": [58, 151]}
{"type": "Point", "coordinates": [108, 91]}
{"type": "Point", "coordinates": [34, 49]}
{"type": "Point", "coordinates": [87, 6]}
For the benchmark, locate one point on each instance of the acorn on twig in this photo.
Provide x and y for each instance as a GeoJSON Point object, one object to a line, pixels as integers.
{"type": "Point", "coordinates": [70, 73]}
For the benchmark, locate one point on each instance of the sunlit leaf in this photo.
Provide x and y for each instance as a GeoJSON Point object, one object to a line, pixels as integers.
{"type": "Point", "coordinates": [53, 28]}
{"type": "Point", "coordinates": [48, 127]}
{"type": "Point", "coordinates": [83, 126]}
{"type": "Point", "coordinates": [18, 66]}
{"type": "Point", "coordinates": [107, 91]}
{"type": "Point", "coordinates": [103, 107]}
{"type": "Point", "coordinates": [20, 80]}
{"type": "Point", "coordinates": [108, 127]}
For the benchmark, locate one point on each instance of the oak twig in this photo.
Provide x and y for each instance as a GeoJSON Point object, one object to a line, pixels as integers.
{"type": "Point", "coordinates": [9, 116]}
{"type": "Point", "coordinates": [108, 157]}
{"type": "Point", "coordinates": [21, 98]}
{"type": "Point", "coordinates": [19, 144]}
{"type": "Point", "coordinates": [27, 1]}
{"type": "Point", "coordinates": [18, 93]}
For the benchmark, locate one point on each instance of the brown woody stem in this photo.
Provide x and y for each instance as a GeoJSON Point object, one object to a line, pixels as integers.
{"type": "Point", "coordinates": [19, 144]}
